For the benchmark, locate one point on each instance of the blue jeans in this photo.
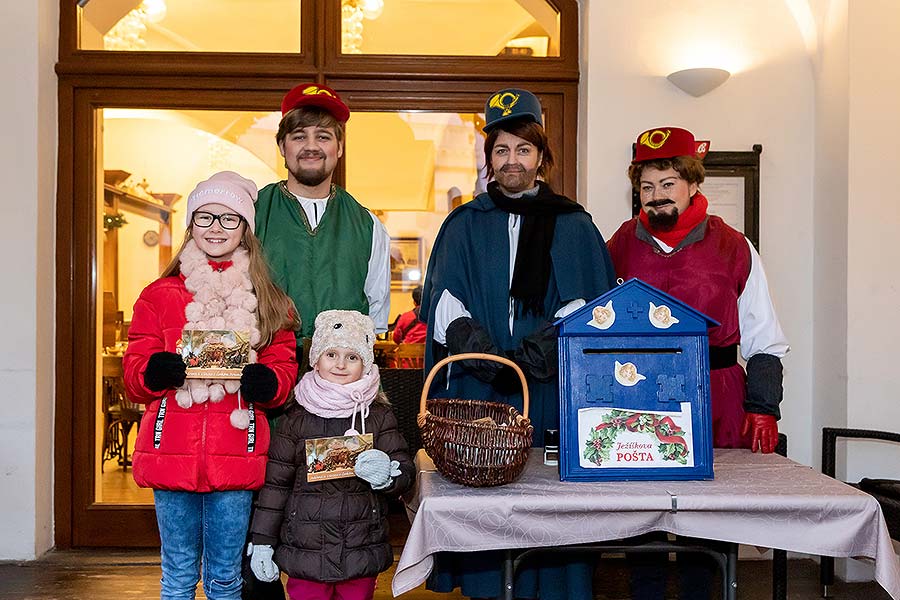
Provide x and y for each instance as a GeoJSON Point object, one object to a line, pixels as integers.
{"type": "Point", "coordinates": [210, 525]}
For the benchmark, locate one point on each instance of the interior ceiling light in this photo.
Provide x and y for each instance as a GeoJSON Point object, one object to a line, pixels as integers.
{"type": "Point", "coordinates": [352, 14]}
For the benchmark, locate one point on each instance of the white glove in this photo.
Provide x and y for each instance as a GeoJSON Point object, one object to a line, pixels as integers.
{"type": "Point", "coordinates": [377, 468]}
{"type": "Point", "coordinates": [261, 563]}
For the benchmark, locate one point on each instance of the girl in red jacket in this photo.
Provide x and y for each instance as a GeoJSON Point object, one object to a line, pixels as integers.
{"type": "Point", "coordinates": [202, 443]}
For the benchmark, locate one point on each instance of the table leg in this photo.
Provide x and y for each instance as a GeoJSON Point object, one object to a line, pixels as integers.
{"type": "Point", "coordinates": [508, 575]}
{"type": "Point", "coordinates": [731, 571]}
{"type": "Point", "coordinates": [826, 575]}
{"type": "Point", "coordinates": [779, 574]}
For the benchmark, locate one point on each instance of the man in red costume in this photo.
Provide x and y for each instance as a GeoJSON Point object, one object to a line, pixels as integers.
{"type": "Point", "coordinates": [674, 245]}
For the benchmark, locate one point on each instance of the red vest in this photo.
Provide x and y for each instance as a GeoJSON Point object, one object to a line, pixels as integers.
{"type": "Point", "coordinates": [709, 274]}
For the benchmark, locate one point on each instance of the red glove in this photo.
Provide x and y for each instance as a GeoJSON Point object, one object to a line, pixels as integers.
{"type": "Point", "coordinates": [764, 429]}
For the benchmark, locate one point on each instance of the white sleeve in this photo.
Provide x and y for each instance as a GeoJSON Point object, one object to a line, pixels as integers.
{"type": "Point", "coordinates": [448, 309]}
{"type": "Point", "coordinates": [378, 279]}
{"type": "Point", "coordinates": [760, 330]}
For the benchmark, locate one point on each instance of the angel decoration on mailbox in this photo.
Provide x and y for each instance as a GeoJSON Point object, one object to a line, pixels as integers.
{"type": "Point", "coordinates": [634, 388]}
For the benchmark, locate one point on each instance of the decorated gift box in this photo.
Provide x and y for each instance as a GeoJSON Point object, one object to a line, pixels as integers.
{"type": "Point", "coordinates": [634, 388]}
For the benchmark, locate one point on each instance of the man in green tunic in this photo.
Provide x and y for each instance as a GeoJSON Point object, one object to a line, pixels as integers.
{"type": "Point", "coordinates": [325, 249]}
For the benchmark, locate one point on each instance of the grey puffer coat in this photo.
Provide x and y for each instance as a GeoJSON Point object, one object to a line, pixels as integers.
{"type": "Point", "coordinates": [328, 530]}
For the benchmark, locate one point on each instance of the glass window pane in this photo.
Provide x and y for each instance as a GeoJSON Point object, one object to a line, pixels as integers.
{"type": "Point", "coordinates": [191, 25]}
{"type": "Point", "coordinates": [438, 155]}
{"type": "Point", "coordinates": [450, 27]}
{"type": "Point", "coordinates": [140, 226]}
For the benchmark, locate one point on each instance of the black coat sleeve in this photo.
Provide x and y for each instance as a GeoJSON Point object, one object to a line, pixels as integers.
{"type": "Point", "coordinates": [765, 376]}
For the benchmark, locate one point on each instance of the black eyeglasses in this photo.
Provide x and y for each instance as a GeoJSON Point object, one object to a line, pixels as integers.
{"type": "Point", "coordinates": [226, 220]}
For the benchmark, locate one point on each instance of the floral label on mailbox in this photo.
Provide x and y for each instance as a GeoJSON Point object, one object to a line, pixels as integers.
{"type": "Point", "coordinates": [616, 438]}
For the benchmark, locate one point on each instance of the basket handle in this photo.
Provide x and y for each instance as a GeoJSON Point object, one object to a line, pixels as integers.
{"type": "Point", "coordinates": [474, 356]}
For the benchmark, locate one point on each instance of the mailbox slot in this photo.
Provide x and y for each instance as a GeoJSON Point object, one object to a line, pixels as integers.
{"type": "Point", "coordinates": [631, 351]}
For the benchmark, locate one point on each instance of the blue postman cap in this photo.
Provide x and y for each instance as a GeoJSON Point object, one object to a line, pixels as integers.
{"type": "Point", "coordinates": [509, 104]}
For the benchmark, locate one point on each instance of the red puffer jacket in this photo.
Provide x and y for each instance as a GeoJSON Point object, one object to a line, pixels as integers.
{"type": "Point", "coordinates": [198, 449]}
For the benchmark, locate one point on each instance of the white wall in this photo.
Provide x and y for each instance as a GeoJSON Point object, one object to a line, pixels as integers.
{"type": "Point", "coordinates": [629, 48]}
{"type": "Point", "coordinates": [28, 41]}
{"type": "Point", "coordinates": [830, 223]}
{"type": "Point", "coordinates": [873, 294]}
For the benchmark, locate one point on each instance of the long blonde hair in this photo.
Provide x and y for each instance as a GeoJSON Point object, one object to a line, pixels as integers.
{"type": "Point", "coordinates": [275, 310]}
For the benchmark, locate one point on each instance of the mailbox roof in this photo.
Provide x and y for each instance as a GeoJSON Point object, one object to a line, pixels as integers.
{"type": "Point", "coordinates": [630, 314]}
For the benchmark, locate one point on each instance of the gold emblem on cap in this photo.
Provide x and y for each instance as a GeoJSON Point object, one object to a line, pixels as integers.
{"type": "Point", "coordinates": [504, 101]}
{"type": "Point", "coordinates": [313, 90]}
{"type": "Point", "coordinates": [655, 139]}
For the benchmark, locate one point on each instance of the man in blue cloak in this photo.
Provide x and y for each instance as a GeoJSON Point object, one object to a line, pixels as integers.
{"type": "Point", "coordinates": [503, 267]}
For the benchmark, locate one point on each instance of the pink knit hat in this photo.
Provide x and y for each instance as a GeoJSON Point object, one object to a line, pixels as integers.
{"type": "Point", "coordinates": [228, 189]}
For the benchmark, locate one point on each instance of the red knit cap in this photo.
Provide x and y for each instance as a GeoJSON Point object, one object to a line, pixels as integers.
{"type": "Point", "coordinates": [668, 142]}
{"type": "Point", "coordinates": [313, 94]}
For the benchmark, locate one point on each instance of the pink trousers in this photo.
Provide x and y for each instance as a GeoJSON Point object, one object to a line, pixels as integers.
{"type": "Point", "coordinates": [353, 589]}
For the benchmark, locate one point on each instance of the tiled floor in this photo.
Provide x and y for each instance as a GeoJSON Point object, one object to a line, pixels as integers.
{"type": "Point", "coordinates": [134, 575]}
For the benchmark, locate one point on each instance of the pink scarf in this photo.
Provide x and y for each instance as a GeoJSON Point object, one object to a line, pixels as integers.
{"type": "Point", "coordinates": [332, 400]}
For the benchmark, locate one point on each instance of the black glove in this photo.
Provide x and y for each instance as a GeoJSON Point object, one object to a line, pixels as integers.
{"type": "Point", "coordinates": [507, 381]}
{"type": "Point", "coordinates": [164, 370]}
{"type": "Point", "coordinates": [258, 383]}
{"type": "Point", "coordinates": [537, 355]}
{"type": "Point", "coordinates": [467, 335]}
{"type": "Point", "coordinates": [764, 385]}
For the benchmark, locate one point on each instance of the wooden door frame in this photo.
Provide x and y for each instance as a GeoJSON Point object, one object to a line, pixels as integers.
{"type": "Point", "coordinates": [89, 80]}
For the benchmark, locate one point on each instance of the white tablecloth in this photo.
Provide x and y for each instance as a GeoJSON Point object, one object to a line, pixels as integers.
{"type": "Point", "coordinates": [759, 500]}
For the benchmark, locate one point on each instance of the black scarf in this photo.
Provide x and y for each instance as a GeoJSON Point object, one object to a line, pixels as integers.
{"type": "Point", "coordinates": [531, 273]}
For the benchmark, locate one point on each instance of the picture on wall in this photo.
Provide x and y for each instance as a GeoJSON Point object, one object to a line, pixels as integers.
{"type": "Point", "coordinates": [407, 268]}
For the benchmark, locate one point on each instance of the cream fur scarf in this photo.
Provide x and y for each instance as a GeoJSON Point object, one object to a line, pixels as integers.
{"type": "Point", "coordinates": [222, 300]}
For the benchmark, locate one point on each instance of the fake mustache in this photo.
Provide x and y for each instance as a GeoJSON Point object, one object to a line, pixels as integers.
{"type": "Point", "coordinates": [658, 203]}
{"type": "Point", "coordinates": [512, 169]}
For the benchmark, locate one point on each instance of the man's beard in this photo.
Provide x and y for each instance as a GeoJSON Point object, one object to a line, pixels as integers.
{"type": "Point", "coordinates": [309, 177]}
{"type": "Point", "coordinates": [662, 221]}
{"type": "Point", "coordinates": [515, 179]}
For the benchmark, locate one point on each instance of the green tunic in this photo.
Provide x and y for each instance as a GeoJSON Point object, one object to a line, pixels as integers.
{"type": "Point", "coordinates": [319, 269]}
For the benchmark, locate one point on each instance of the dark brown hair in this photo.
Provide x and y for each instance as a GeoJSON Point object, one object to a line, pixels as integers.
{"type": "Point", "coordinates": [689, 168]}
{"type": "Point", "coordinates": [528, 131]}
{"type": "Point", "coordinates": [305, 117]}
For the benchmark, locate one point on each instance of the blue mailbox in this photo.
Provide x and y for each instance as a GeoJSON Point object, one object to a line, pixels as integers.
{"type": "Point", "coordinates": [634, 388]}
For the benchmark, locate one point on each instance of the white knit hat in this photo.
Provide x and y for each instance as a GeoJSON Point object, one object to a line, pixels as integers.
{"type": "Point", "coordinates": [344, 329]}
{"type": "Point", "coordinates": [228, 189]}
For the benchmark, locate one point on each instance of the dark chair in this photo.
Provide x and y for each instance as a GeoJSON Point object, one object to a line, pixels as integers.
{"type": "Point", "coordinates": [403, 388]}
{"type": "Point", "coordinates": [119, 414]}
{"type": "Point", "coordinates": [886, 491]}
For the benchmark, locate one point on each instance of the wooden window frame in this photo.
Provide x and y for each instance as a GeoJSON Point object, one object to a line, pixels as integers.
{"type": "Point", "coordinates": [94, 79]}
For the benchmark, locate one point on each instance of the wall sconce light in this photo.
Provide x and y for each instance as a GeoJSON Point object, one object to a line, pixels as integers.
{"type": "Point", "coordinates": [697, 82]}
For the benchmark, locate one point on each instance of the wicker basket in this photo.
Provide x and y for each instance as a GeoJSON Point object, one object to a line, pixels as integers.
{"type": "Point", "coordinates": [478, 454]}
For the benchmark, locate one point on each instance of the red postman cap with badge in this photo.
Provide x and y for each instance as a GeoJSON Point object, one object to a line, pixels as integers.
{"type": "Point", "coordinates": [668, 142]}
{"type": "Point", "coordinates": [314, 94]}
